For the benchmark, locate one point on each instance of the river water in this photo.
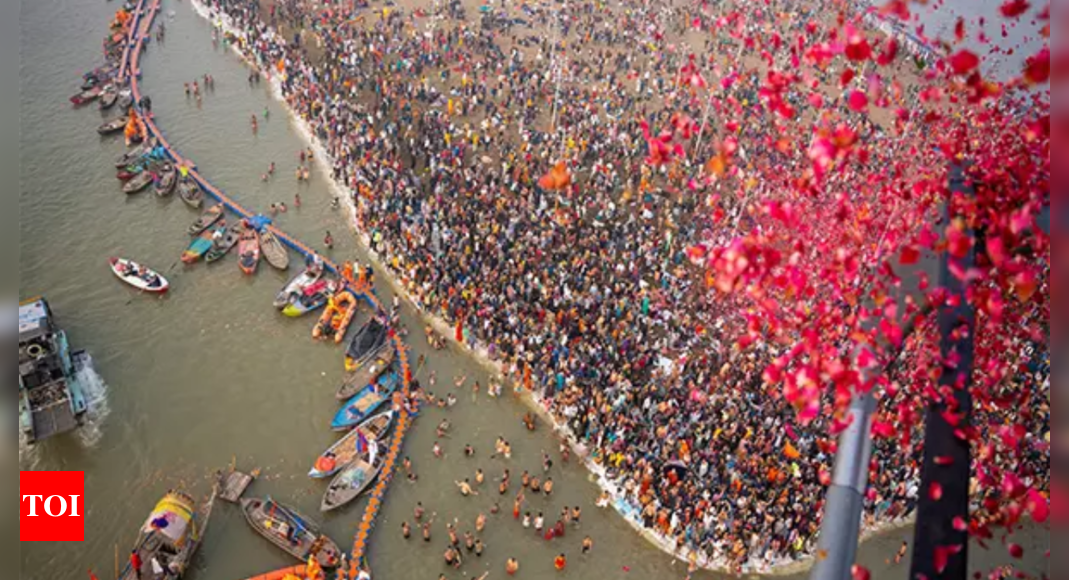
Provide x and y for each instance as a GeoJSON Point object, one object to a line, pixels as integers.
{"type": "Point", "coordinates": [211, 373]}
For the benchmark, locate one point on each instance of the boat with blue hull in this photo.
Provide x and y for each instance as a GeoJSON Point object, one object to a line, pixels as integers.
{"type": "Point", "coordinates": [52, 400]}
{"type": "Point", "coordinates": [364, 403]}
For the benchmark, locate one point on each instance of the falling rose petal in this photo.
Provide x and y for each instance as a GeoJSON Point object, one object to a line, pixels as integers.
{"type": "Point", "coordinates": [890, 51]}
{"type": "Point", "coordinates": [944, 460]}
{"type": "Point", "coordinates": [996, 250]}
{"type": "Point", "coordinates": [860, 573]}
{"type": "Point", "coordinates": [1016, 551]}
{"type": "Point", "coordinates": [960, 524]}
{"type": "Point", "coordinates": [1037, 68]}
{"type": "Point", "coordinates": [959, 29]}
{"type": "Point", "coordinates": [941, 558]}
{"type": "Point", "coordinates": [963, 62]}
{"type": "Point", "coordinates": [935, 491]}
{"type": "Point", "coordinates": [1038, 506]}
{"type": "Point", "coordinates": [1014, 8]}
{"type": "Point", "coordinates": [909, 256]}
{"type": "Point", "coordinates": [859, 102]}
{"type": "Point", "coordinates": [846, 77]}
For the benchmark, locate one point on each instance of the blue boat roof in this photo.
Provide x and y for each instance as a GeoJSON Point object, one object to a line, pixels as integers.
{"type": "Point", "coordinates": [33, 318]}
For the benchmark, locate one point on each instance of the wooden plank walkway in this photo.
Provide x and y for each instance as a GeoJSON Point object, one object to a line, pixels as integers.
{"type": "Point", "coordinates": [131, 66]}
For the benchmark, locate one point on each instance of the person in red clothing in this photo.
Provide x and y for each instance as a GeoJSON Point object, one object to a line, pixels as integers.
{"type": "Point", "coordinates": [560, 562]}
{"type": "Point", "coordinates": [135, 563]}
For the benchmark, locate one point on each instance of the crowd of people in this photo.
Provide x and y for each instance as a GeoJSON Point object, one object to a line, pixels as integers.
{"type": "Point", "coordinates": [440, 122]}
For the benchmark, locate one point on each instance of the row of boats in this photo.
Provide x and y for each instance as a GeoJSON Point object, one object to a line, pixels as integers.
{"type": "Point", "coordinates": [175, 528]}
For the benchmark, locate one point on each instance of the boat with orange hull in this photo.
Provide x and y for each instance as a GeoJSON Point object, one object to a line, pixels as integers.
{"type": "Point", "coordinates": [336, 318]}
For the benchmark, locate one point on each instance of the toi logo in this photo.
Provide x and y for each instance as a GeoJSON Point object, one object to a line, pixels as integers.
{"type": "Point", "coordinates": [52, 506]}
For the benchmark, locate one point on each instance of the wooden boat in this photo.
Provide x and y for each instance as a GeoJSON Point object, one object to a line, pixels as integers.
{"type": "Point", "coordinates": [113, 126]}
{"type": "Point", "coordinates": [354, 479]}
{"type": "Point", "coordinates": [134, 155]}
{"type": "Point", "coordinates": [126, 99]}
{"type": "Point", "coordinates": [311, 298]}
{"type": "Point", "coordinates": [348, 448]}
{"type": "Point", "coordinates": [139, 182]}
{"type": "Point", "coordinates": [190, 192]}
{"type": "Point", "coordinates": [87, 96]}
{"type": "Point", "coordinates": [171, 535]}
{"type": "Point", "coordinates": [138, 276]}
{"type": "Point", "coordinates": [222, 246]}
{"type": "Point", "coordinates": [289, 530]}
{"type": "Point", "coordinates": [133, 170]}
{"type": "Point", "coordinates": [108, 98]}
{"type": "Point", "coordinates": [201, 244]}
{"type": "Point", "coordinates": [367, 373]}
{"type": "Point", "coordinates": [249, 251]}
{"type": "Point", "coordinates": [206, 219]}
{"type": "Point", "coordinates": [297, 285]}
{"type": "Point", "coordinates": [167, 179]}
{"type": "Point", "coordinates": [274, 252]}
{"type": "Point", "coordinates": [368, 340]}
{"type": "Point", "coordinates": [337, 317]}
{"type": "Point", "coordinates": [365, 402]}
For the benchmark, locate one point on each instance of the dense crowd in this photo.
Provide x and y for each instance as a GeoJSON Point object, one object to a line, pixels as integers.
{"type": "Point", "coordinates": [440, 121]}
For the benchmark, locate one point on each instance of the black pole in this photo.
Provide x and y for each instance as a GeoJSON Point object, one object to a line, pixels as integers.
{"type": "Point", "coordinates": [940, 551]}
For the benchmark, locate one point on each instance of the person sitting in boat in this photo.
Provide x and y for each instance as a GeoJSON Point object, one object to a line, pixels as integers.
{"type": "Point", "coordinates": [129, 270]}
{"type": "Point", "coordinates": [327, 463]}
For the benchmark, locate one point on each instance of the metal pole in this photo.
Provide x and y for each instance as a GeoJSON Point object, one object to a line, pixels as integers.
{"type": "Point", "coordinates": [841, 526]}
{"type": "Point", "coordinates": [947, 456]}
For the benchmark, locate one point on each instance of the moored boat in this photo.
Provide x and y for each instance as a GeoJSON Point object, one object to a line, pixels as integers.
{"type": "Point", "coordinates": [367, 373]}
{"type": "Point", "coordinates": [109, 97]}
{"type": "Point", "coordinates": [133, 155]}
{"type": "Point", "coordinates": [206, 219]}
{"type": "Point", "coordinates": [289, 530]}
{"type": "Point", "coordinates": [166, 182]}
{"type": "Point", "coordinates": [249, 250]}
{"type": "Point", "coordinates": [354, 444]}
{"type": "Point", "coordinates": [190, 192]}
{"type": "Point", "coordinates": [113, 126]}
{"type": "Point", "coordinates": [202, 243]}
{"type": "Point", "coordinates": [337, 317]}
{"type": "Point", "coordinates": [138, 276]}
{"type": "Point", "coordinates": [365, 402]}
{"type": "Point", "coordinates": [86, 96]}
{"type": "Point", "coordinates": [354, 479]}
{"type": "Point", "coordinates": [274, 252]}
{"type": "Point", "coordinates": [223, 245]}
{"type": "Point", "coordinates": [170, 536]}
{"type": "Point", "coordinates": [139, 182]}
{"type": "Point", "coordinates": [311, 298]}
{"type": "Point", "coordinates": [134, 169]}
{"type": "Point", "coordinates": [292, 290]}
{"type": "Point", "coordinates": [368, 340]}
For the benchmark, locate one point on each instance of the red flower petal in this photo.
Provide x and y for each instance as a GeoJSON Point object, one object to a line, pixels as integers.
{"type": "Point", "coordinates": [858, 101]}
{"type": "Point", "coordinates": [860, 573]}
{"type": "Point", "coordinates": [1014, 8]}
{"type": "Point", "coordinates": [1037, 68]}
{"type": "Point", "coordinates": [964, 62]}
{"type": "Point", "coordinates": [1016, 551]}
{"type": "Point", "coordinates": [935, 491]}
{"type": "Point", "coordinates": [910, 255]}
{"type": "Point", "coordinates": [960, 524]}
{"type": "Point", "coordinates": [1038, 506]}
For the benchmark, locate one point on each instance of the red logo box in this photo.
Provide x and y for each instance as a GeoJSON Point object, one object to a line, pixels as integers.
{"type": "Point", "coordinates": [52, 506]}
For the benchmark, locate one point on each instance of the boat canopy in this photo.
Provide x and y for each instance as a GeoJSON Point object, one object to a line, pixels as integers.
{"type": "Point", "coordinates": [34, 319]}
{"type": "Point", "coordinates": [172, 518]}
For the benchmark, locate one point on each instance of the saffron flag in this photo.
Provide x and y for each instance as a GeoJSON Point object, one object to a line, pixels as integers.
{"type": "Point", "coordinates": [790, 451]}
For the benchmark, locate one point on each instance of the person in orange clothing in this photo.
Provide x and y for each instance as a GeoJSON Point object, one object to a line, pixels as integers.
{"type": "Point", "coordinates": [560, 562]}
